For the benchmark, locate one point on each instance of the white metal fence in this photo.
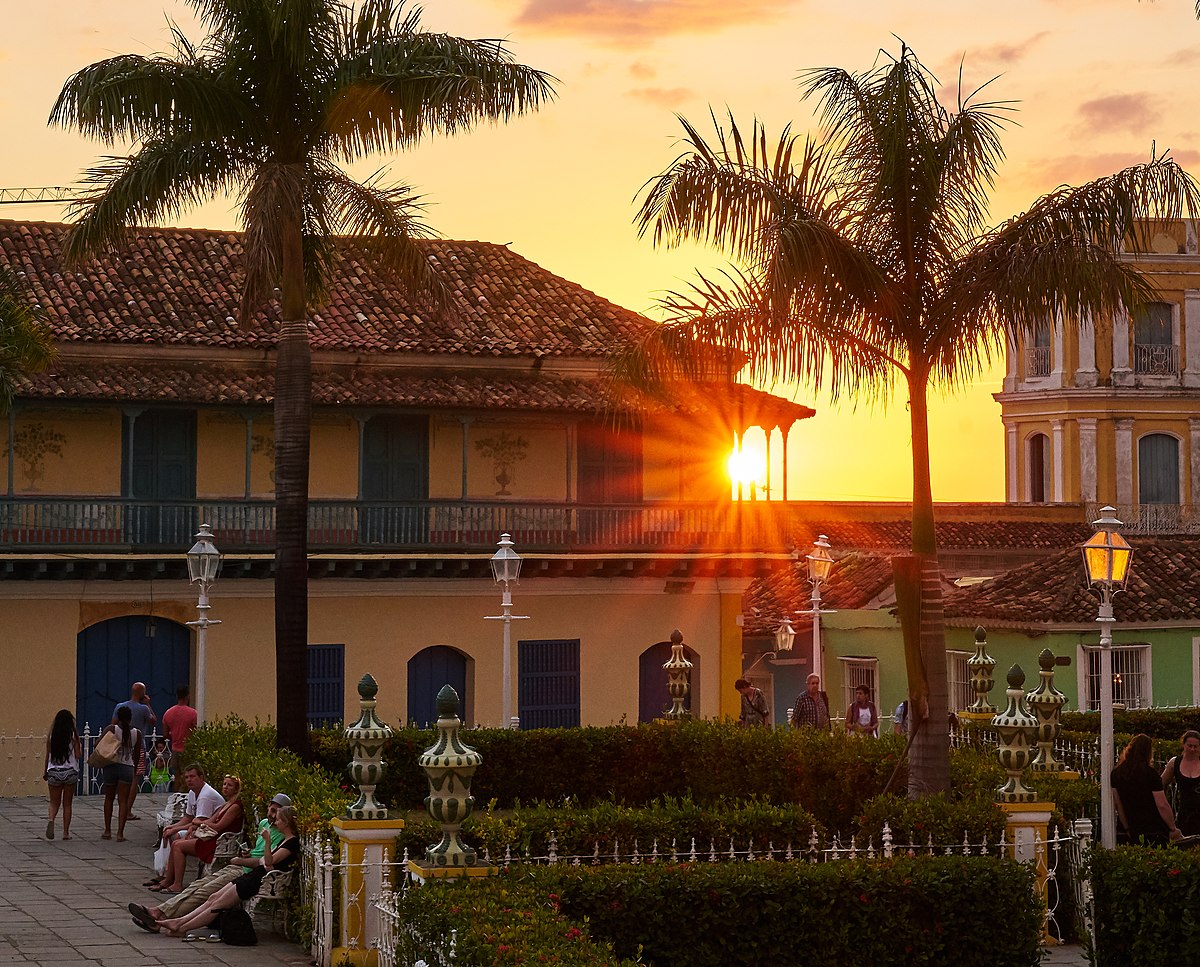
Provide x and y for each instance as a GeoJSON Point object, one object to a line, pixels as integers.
{"type": "Point", "coordinates": [23, 762]}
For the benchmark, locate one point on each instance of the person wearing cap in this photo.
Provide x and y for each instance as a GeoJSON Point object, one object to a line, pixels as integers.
{"type": "Point", "coordinates": [194, 896]}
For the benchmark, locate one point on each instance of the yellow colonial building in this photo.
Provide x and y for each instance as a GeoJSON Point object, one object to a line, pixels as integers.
{"type": "Point", "coordinates": [431, 437]}
{"type": "Point", "coordinates": [1107, 411]}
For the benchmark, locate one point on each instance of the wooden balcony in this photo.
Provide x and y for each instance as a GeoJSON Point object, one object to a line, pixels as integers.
{"type": "Point", "coordinates": [123, 524]}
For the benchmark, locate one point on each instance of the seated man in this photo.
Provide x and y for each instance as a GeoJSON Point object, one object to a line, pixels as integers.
{"type": "Point", "coordinates": [202, 801]}
{"type": "Point", "coordinates": [194, 896]}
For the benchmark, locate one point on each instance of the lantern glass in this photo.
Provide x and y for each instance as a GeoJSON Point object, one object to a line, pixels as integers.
{"type": "Point", "coordinates": [506, 563]}
{"type": "Point", "coordinates": [1106, 558]}
{"type": "Point", "coordinates": [819, 561]}
{"type": "Point", "coordinates": [203, 560]}
{"type": "Point", "coordinates": [785, 636]}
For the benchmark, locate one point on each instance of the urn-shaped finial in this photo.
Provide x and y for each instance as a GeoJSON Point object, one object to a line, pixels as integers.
{"type": "Point", "coordinates": [1016, 726]}
{"type": "Point", "coordinates": [981, 665]}
{"type": "Point", "coordinates": [678, 671]}
{"type": "Point", "coordinates": [1047, 704]}
{"type": "Point", "coordinates": [367, 737]}
{"type": "Point", "coordinates": [449, 763]}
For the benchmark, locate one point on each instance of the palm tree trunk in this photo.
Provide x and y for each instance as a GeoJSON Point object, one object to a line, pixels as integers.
{"type": "Point", "coordinates": [929, 753]}
{"type": "Point", "coordinates": [293, 415]}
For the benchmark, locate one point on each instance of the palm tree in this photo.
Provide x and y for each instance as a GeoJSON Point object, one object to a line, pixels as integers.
{"type": "Point", "coordinates": [26, 344]}
{"type": "Point", "coordinates": [865, 257]}
{"type": "Point", "coordinates": [266, 107]}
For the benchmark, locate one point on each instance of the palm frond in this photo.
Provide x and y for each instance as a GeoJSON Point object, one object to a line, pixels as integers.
{"type": "Point", "coordinates": [277, 192]}
{"type": "Point", "coordinates": [162, 181]}
{"type": "Point", "coordinates": [26, 343]}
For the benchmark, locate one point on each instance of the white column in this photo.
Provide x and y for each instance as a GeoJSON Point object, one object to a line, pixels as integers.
{"type": "Point", "coordinates": [1056, 364]}
{"type": "Point", "coordinates": [1058, 484]}
{"type": "Point", "coordinates": [1086, 375]}
{"type": "Point", "coordinates": [1010, 358]}
{"type": "Point", "coordinates": [1124, 455]}
{"type": "Point", "coordinates": [1087, 460]}
{"type": "Point", "coordinates": [1191, 337]}
{"type": "Point", "coordinates": [1122, 375]}
{"type": "Point", "coordinates": [1012, 491]}
{"type": "Point", "coordinates": [1193, 490]}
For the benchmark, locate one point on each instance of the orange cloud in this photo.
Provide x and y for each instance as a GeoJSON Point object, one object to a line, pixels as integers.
{"type": "Point", "coordinates": [1132, 113]}
{"type": "Point", "coordinates": [1048, 173]}
{"type": "Point", "coordinates": [979, 65]}
{"type": "Point", "coordinates": [643, 71]}
{"type": "Point", "coordinates": [643, 20]}
{"type": "Point", "coordinates": [669, 97]}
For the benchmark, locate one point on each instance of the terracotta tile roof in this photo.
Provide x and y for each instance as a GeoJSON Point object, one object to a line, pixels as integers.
{"type": "Point", "coordinates": [177, 286]}
{"type": "Point", "coordinates": [895, 536]}
{"type": "Point", "coordinates": [1164, 587]}
{"type": "Point", "coordinates": [854, 581]}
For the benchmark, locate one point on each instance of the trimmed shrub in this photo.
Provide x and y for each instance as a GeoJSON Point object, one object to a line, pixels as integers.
{"type": "Point", "coordinates": [1164, 723]}
{"type": "Point", "coordinates": [926, 911]}
{"type": "Point", "coordinates": [931, 819]}
{"type": "Point", "coordinates": [1146, 903]}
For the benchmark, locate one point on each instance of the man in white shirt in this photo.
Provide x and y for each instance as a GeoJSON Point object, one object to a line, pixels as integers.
{"type": "Point", "coordinates": [202, 801]}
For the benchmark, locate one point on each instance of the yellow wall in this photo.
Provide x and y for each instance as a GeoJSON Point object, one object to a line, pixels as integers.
{"type": "Point", "coordinates": [333, 459]}
{"type": "Point", "coordinates": [90, 461]}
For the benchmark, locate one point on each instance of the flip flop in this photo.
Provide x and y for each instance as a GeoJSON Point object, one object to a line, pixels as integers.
{"type": "Point", "coordinates": [153, 882]}
{"type": "Point", "coordinates": [142, 917]}
{"type": "Point", "coordinates": [144, 926]}
{"type": "Point", "coordinates": [106, 835]}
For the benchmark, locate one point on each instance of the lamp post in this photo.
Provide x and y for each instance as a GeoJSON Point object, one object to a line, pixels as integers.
{"type": "Point", "coordinates": [1106, 559]}
{"type": "Point", "coordinates": [204, 564]}
{"type": "Point", "coordinates": [506, 568]}
{"type": "Point", "coordinates": [819, 565]}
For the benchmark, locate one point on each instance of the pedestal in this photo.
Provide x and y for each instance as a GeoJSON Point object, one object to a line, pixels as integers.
{"type": "Point", "coordinates": [1028, 828]}
{"type": "Point", "coordinates": [363, 843]}
{"type": "Point", "coordinates": [425, 871]}
{"type": "Point", "coordinates": [985, 717]}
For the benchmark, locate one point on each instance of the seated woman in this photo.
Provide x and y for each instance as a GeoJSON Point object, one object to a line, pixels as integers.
{"type": "Point", "coordinates": [248, 884]}
{"type": "Point", "coordinates": [228, 818]}
{"type": "Point", "coordinates": [1144, 815]}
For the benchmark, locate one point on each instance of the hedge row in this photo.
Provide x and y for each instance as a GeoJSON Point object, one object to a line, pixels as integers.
{"type": "Point", "coordinates": [1154, 722]}
{"type": "Point", "coordinates": [926, 911]}
{"type": "Point", "coordinates": [1146, 906]}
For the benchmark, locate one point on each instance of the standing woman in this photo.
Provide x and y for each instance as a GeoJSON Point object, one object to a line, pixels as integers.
{"type": "Point", "coordinates": [63, 753]}
{"type": "Point", "coordinates": [1184, 771]}
{"type": "Point", "coordinates": [1143, 812]}
{"type": "Point", "coordinates": [862, 717]}
{"type": "Point", "coordinates": [118, 776]}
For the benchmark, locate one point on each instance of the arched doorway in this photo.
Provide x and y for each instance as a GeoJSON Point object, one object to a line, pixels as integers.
{"type": "Point", "coordinates": [428, 671]}
{"type": "Point", "coordinates": [653, 697]}
{"type": "Point", "coordinates": [112, 654]}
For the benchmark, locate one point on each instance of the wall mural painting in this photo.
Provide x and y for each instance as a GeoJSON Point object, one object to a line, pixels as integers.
{"type": "Point", "coordinates": [264, 445]}
{"type": "Point", "coordinates": [505, 451]}
{"type": "Point", "coordinates": [32, 444]}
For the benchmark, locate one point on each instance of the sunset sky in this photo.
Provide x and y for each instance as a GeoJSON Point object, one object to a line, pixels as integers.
{"type": "Point", "coordinates": [1097, 81]}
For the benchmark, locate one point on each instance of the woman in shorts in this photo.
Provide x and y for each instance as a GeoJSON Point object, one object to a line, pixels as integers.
{"type": "Point", "coordinates": [118, 775]}
{"type": "Point", "coordinates": [63, 755]}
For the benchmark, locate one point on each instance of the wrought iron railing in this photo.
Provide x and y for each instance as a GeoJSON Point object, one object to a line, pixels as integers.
{"type": "Point", "coordinates": [118, 522]}
{"type": "Point", "coordinates": [1155, 360]}
{"type": "Point", "coordinates": [1038, 360]}
{"type": "Point", "coordinates": [1153, 518]}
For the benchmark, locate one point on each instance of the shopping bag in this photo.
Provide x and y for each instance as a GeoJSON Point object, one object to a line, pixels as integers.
{"type": "Point", "coordinates": [161, 856]}
{"type": "Point", "coordinates": [105, 752]}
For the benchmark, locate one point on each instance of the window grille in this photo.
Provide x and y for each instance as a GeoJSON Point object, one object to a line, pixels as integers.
{"type": "Point", "coordinates": [1131, 676]}
{"type": "Point", "coordinates": [958, 679]}
{"type": "Point", "coordinates": [855, 672]}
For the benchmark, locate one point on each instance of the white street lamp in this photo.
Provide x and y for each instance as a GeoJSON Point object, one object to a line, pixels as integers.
{"type": "Point", "coordinates": [1106, 560]}
{"type": "Point", "coordinates": [204, 564]}
{"type": "Point", "coordinates": [819, 564]}
{"type": "Point", "coordinates": [506, 568]}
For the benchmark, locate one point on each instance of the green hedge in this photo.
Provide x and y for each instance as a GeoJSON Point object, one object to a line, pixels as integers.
{"type": "Point", "coordinates": [577, 831]}
{"type": "Point", "coordinates": [1147, 906]}
{"type": "Point", "coordinates": [1156, 723]}
{"type": "Point", "coordinates": [926, 911]}
{"type": "Point", "coordinates": [830, 774]}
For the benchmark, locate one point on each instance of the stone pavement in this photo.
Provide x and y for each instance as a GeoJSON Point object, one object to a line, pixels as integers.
{"type": "Point", "coordinates": [62, 904]}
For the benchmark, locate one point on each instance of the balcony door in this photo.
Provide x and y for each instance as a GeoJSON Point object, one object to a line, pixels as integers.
{"type": "Point", "coordinates": [395, 475]}
{"type": "Point", "coordinates": [159, 475]}
{"type": "Point", "coordinates": [610, 472]}
{"type": "Point", "coordinates": [1158, 469]}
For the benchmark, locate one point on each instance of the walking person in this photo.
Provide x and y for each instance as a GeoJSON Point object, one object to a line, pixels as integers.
{"type": "Point", "coordinates": [64, 752]}
{"type": "Point", "coordinates": [1143, 813]}
{"type": "Point", "coordinates": [754, 705]}
{"type": "Point", "coordinates": [143, 719]}
{"type": "Point", "coordinates": [862, 717]}
{"type": "Point", "coordinates": [118, 775]}
{"type": "Point", "coordinates": [1184, 771]}
{"type": "Point", "coordinates": [178, 722]}
{"type": "Point", "coordinates": [812, 705]}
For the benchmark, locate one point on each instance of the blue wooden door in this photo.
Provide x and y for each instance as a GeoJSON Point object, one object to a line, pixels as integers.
{"type": "Point", "coordinates": [395, 470]}
{"type": "Point", "coordinates": [326, 686]}
{"type": "Point", "coordinates": [113, 654]}
{"type": "Point", "coordinates": [548, 683]}
{"type": "Point", "coordinates": [653, 697]}
{"type": "Point", "coordinates": [429, 671]}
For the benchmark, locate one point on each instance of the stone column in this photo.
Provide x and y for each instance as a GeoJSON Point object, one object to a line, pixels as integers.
{"type": "Point", "coordinates": [1192, 496]}
{"type": "Point", "coordinates": [1058, 481]}
{"type": "Point", "coordinates": [1011, 350]}
{"type": "Point", "coordinates": [1086, 375]}
{"type": "Point", "coordinates": [1011, 453]}
{"type": "Point", "coordinates": [1124, 482]}
{"type": "Point", "coordinates": [1087, 459]}
{"type": "Point", "coordinates": [1122, 374]}
{"type": "Point", "coordinates": [1191, 337]}
{"type": "Point", "coordinates": [365, 833]}
{"type": "Point", "coordinates": [1056, 341]}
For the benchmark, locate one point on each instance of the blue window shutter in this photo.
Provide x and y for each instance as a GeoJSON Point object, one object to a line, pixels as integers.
{"type": "Point", "coordinates": [1158, 469]}
{"type": "Point", "coordinates": [326, 685]}
{"type": "Point", "coordinates": [548, 683]}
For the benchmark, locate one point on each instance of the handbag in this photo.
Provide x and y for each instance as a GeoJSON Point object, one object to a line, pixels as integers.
{"type": "Point", "coordinates": [105, 752]}
{"type": "Point", "coordinates": [205, 832]}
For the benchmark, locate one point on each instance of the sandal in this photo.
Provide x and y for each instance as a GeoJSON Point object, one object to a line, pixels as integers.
{"type": "Point", "coordinates": [106, 835]}
{"type": "Point", "coordinates": [155, 882]}
{"type": "Point", "coordinates": [143, 918]}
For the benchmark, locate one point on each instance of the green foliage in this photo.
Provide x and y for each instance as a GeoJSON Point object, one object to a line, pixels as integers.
{"type": "Point", "coordinates": [1146, 903]}
{"type": "Point", "coordinates": [927, 911]}
{"type": "Point", "coordinates": [233, 746]}
{"type": "Point", "coordinates": [527, 829]}
{"type": "Point", "coordinates": [1164, 723]}
{"type": "Point", "coordinates": [931, 819]}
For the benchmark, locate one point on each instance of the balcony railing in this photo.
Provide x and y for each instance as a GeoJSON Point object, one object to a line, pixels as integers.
{"type": "Point", "coordinates": [1038, 360]}
{"type": "Point", "coordinates": [1154, 360]}
{"type": "Point", "coordinates": [1154, 518]}
{"type": "Point", "coordinates": [28, 523]}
